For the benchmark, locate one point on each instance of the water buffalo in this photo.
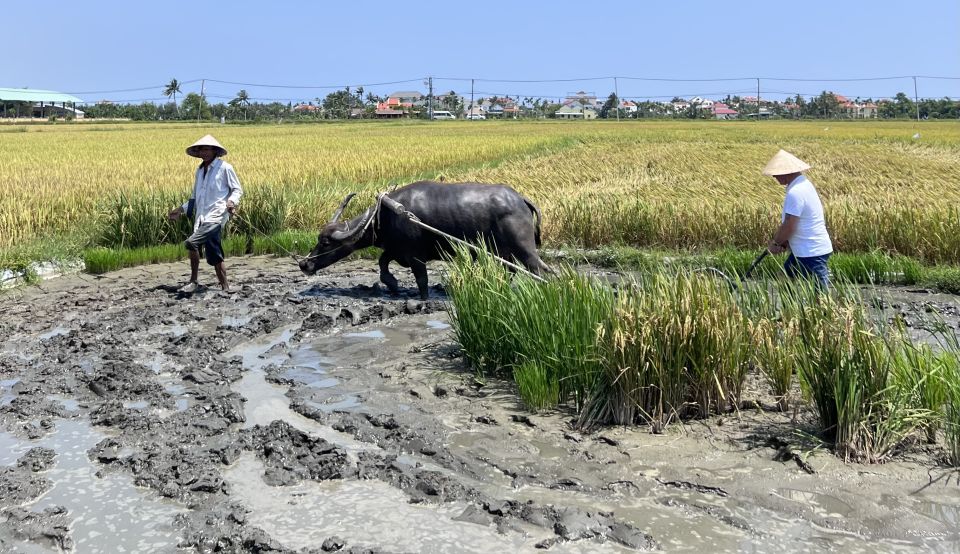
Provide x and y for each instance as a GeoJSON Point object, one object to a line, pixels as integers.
{"type": "Point", "coordinates": [505, 220]}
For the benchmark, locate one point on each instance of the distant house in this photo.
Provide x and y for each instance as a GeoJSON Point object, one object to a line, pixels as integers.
{"type": "Point", "coordinates": [703, 103]}
{"type": "Point", "coordinates": [576, 112]}
{"type": "Point", "coordinates": [388, 113]}
{"type": "Point", "coordinates": [43, 103]}
{"type": "Point", "coordinates": [581, 99]}
{"type": "Point", "coordinates": [868, 110]}
{"type": "Point", "coordinates": [499, 106]}
{"type": "Point", "coordinates": [405, 98]}
{"type": "Point", "coordinates": [628, 106]}
{"type": "Point", "coordinates": [680, 105]}
{"type": "Point", "coordinates": [722, 111]}
{"type": "Point", "coordinates": [305, 108]}
{"type": "Point", "coordinates": [856, 109]}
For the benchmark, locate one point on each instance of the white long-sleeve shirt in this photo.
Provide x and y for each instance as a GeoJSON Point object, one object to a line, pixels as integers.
{"type": "Point", "coordinates": [211, 192]}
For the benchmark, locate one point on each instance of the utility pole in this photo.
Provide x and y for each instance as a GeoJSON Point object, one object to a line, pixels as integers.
{"type": "Point", "coordinates": [430, 97]}
{"type": "Point", "coordinates": [758, 99]}
{"type": "Point", "coordinates": [200, 110]}
{"type": "Point", "coordinates": [470, 115]}
{"type": "Point", "coordinates": [616, 92]}
{"type": "Point", "coordinates": [916, 100]}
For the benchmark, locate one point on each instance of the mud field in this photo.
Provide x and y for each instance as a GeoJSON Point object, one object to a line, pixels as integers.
{"type": "Point", "coordinates": [322, 414]}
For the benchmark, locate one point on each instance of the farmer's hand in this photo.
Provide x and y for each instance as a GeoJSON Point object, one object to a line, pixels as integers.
{"type": "Point", "coordinates": [231, 207]}
{"type": "Point", "coordinates": [175, 213]}
{"type": "Point", "coordinates": [775, 248]}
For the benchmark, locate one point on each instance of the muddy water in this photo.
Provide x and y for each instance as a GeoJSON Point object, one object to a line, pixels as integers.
{"type": "Point", "coordinates": [109, 513]}
{"type": "Point", "coordinates": [365, 513]}
{"type": "Point", "coordinates": [402, 449]}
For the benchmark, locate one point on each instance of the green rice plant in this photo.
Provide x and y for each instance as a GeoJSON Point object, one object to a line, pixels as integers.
{"type": "Point", "coordinates": [536, 387]}
{"type": "Point", "coordinates": [134, 221]}
{"type": "Point", "coordinates": [775, 347]}
{"type": "Point", "coordinates": [912, 270]}
{"type": "Point", "coordinates": [480, 294]}
{"type": "Point", "coordinates": [951, 385]}
{"type": "Point", "coordinates": [263, 211]}
{"type": "Point", "coordinates": [555, 324]}
{"type": "Point", "coordinates": [101, 260]}
{"type": "Point", "coordinates": [504, 323]}
{"type": "Point", "coordinates": [849, 370]}
{"type": "Point", "coordinates": [284, 242]}
{"type": "Point", "coordinates": [944, 278]}
{"type": "Point", "coordinates": [874, 268]}
{"type": "Point", "coordinates": [675, 346]}
{"type": "Point", "coordinates": [923, 373]}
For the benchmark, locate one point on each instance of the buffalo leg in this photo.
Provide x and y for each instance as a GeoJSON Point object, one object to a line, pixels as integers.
{"type": "Point", "coordinates": [386, 277]}
{"type": "Point", "coordinates": [532, 261]}
{"type": "Point", "coordinates": [420, 273]}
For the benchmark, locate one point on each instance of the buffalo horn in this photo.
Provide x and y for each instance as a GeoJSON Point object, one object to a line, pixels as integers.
{"type": "Point", "coordinates": [339, 212]}
{"type": "Point", "coordinates": [347, 233]}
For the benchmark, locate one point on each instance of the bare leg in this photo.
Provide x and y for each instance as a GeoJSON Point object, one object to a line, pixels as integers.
{"type": "Point", "coordinates": [194, 265]}
{"type": "Point", "coordinates": [420, 273]}
{"type": "Point", "coordinates": [386, 277]}
{"type": "Point", "coordinates": [221, 275]}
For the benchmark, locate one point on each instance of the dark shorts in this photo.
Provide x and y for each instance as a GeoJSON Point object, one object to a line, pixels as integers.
{"type": "Point", "coordinates": [206, 240]}
{"type": "Point", "coordinates": [814, 266]}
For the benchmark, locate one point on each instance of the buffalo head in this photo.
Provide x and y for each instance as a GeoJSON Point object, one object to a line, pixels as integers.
{"type": "Point", "coordinates": [337, 239]}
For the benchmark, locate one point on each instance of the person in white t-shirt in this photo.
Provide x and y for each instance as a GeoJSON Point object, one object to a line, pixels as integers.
{"type": "Point", "coordinates": [803, 229]}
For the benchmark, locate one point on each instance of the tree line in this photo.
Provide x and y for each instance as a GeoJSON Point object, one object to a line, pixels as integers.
{"type": "Point", "coordinates": [358, 103]}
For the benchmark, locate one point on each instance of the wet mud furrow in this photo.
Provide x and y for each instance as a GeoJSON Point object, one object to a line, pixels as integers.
{"type": "Point", "coordinates": [322, 414]}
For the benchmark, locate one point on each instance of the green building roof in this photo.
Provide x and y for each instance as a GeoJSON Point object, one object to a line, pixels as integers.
{"type": "Point", "coordinates": [35, 95]}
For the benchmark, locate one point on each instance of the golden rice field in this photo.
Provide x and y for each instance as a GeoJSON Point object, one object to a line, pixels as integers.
{"type": "Point", "coordinates": [668, 184]}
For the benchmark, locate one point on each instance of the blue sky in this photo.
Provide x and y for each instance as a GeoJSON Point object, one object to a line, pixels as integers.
{"type": "Point", "coordinates": [97, 49]}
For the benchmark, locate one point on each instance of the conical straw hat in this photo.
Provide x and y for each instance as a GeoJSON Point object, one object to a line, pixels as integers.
{"type": "Point", "coordinates": [784, 163]}
{"type": "Point", "coordinates": [207, 140]}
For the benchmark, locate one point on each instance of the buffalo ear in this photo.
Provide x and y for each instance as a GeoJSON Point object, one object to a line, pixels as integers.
{"type": "Point", "coordinates": [339, 212]}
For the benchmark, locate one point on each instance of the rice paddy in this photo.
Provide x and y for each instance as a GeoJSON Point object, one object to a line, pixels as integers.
{"type": "Point", "coordinates": [671, 346]}
{"type": "Point", "coordinates": [667, 185]}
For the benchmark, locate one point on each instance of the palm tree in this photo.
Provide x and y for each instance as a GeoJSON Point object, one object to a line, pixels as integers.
{"type": "Point", "coordinates": [173, 87]}
{"type": "Point", "coordinates": [243, 99]}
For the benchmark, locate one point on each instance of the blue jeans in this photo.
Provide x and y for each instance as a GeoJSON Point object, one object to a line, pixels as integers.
{"type": "Point", "coordinates": [814, 266]}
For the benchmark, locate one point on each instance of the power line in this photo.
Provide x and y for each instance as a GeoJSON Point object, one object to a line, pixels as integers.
{"type": "Point", "coordinates": [316, 86]}
{"type": "Point", "coordinates": [132, 89]}
{"type": "Point", "coordinates": [565, 80]}
{"type": "Point", "coordinates": [837, 80]}
{"type": "Point", "coordinates": [524, 80]}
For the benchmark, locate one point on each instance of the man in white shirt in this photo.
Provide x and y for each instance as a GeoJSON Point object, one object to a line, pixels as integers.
{"type": "Point", "coordinates": [216, 193]}
{"type": "Point", "coordinates": [803, 229]}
